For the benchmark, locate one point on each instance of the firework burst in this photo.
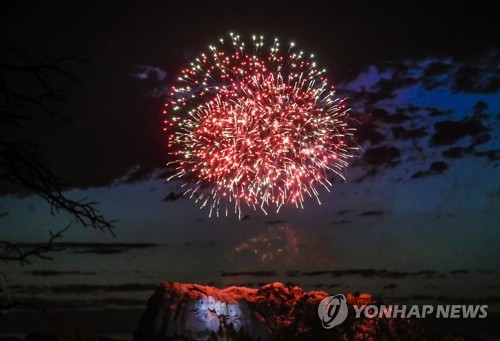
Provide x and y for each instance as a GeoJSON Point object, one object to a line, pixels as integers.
{"type": "Point", "coordinates": [251, 126]}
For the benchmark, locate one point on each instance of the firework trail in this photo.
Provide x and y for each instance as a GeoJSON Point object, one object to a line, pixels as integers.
{"type": "Point", "coordinates": [251, 126]}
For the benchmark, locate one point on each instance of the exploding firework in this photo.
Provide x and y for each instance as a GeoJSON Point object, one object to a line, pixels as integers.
{"type": "Point", "coordinates": [251, 126]}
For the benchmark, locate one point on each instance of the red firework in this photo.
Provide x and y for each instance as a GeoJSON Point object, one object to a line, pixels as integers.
{"type": "Point", "coordinates": [255, 128]}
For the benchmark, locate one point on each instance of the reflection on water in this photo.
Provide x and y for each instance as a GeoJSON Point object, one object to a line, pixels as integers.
{"type": "Point", "coordinates": [277, 242]}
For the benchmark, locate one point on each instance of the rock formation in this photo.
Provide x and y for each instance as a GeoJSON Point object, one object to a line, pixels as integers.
{"type": "Point", "coordinates": [272, 312]}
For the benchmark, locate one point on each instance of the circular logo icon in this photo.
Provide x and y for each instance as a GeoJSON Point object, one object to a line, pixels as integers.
{"type": "Point", "coordinates": [332, 311]}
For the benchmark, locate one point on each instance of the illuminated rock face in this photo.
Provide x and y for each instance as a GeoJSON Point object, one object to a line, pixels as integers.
{"type": "Point", "coordinates": [274, 311]}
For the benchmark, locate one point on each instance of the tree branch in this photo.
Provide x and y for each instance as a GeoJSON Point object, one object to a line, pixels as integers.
{"type": "Point", "coordinates": [8, 306]}
{"type": "Point", "coordinates": [11, 252]}
{"type": "Point", "coordinates": [36, 91]}
{"type": "Point", "coordinates": [26, 169]}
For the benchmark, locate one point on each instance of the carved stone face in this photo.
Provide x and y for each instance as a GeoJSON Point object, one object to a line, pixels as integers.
{"type": "Point", "coordinates": [211, 303]}
{"type": "Point", "coordinates": [200, 304]}
{"type": "Point", "coordinates": [220, 308]}
{"type": "Point", "coordinates": [233, 309]}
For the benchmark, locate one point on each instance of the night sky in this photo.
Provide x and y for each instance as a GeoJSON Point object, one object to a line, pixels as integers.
{"type": "Point", "coordinates": [417, 218]}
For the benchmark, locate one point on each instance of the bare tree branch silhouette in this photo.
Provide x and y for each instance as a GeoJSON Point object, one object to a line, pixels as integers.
{"type": "Point", "coordinates": [30, 88]}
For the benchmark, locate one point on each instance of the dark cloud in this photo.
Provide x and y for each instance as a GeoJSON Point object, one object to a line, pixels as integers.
{"type": "Point", "coordinates": [390, 85]}
{"type": "Point", "coordinates": [91, 248]}
{"type": "Point", "coordinates": [371, 213]}
{"type": "Point", "coordinates": [435, 112]}
{"type": "Point", "coordinates": [431, 286]}
{"type": "Point", "coordinates": [78, 304]}
{"type": "Point", "coordinates": [100, 251]}
{"type": "Point", "coordinates": [457, 152]}
{"type": "Point", "coordinates": [371, 172]}
{"type": "Point", "coordinates": [274, 222]}
{"type": "Point", "coordinates": [447, 215]}
{"type": "Point", "coordinates": [52, 303]}
{"type": "Point", "coordinates": [368, 132]}
{"type": "Point", "coordinates": [249, 273]}
{"type": "Point", "coordinates": [399, 116]}
{"type": "Point", "coordinates": [370, 97]}
{"type": "Point", "coordinates": [369, 273]}
{"type": "Point", "coordinates": [77, 245]}
{"type": "Point", "coordinates": [400, 133]}
{"type": "Point", "coordinates": [475, 79]}
{"type": "Point", "coordinates": [395, 68]}
{"type": "Point", "coordinates": [448, 132]}
{"type": "Point", "coordinates": [475, 75]}
{"type": "Point", "coordinates": [123, 302]}
{"type": "Point", "coordinates": [316, 273]}
{"type": "Point", "coordinates": [390, 286]}
{"type": "Point", "coordinates": [103, 248]}
{"type": "Point", "coordinates": [81, 288]}
{"type": "Point", "coordinates": [456, 272]}
{"type": "Point", "coordinates": [423, 297]}
{"type": "Point", "coordinates": [200, 244]}
{"type": "Point", "coordinates": [366, 273]}
{"type": "Point", "coordinates": [50, 273]}
{"type": "Point", "coordinates": [435, 75]}
{"type": "Point", "coordinates": [173, 196]}
{"type": "Point", "coordinates": [341, 222]}
{"type": "Point", "coordinates": [492, 155]}
{"type": "Point", "coordinates": [483, 271]}
{"type": "Point", "coordinates": [479, 109]}
{"type": "Point", "coordinates": [135, 174]}
{"type": "Point", "coordinates": [481, 139]}
{"type": "Point", "coordinates": [436, 69]}
{"type": "Point", "coordinates": [436, 168]}
{"type": "Point", "coordinates": [165, 174]}
{"type": "Point", "coordinates": [382, 156]}
{"type": "Point", "coordinates": [424, 273]}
